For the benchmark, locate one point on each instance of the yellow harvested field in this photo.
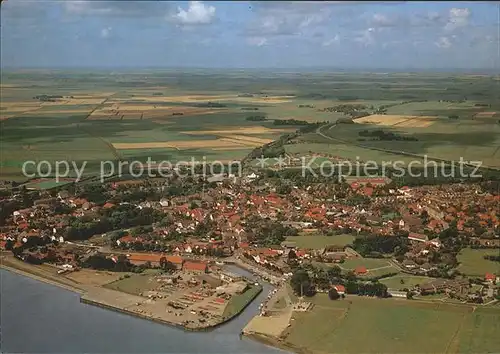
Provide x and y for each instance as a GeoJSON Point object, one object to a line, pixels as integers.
{"type": "Point", "coordinates": [148, 111]}
{"type": "Point", "coordinates": [397, 120]}
{"type": "Point", "coordinates": [231, 148]}
{"type": "Point", "coordinates": [94, 95]}
{"type": "Point", "coordinates": [247, 139]}
{"type": "Point", "coordinates": [180, 98]}
{"type": "Point", "coordinates": [179, 144]}
{"type": "Point", "coordinates": [13, 109]}
{"type": "Point", "coordinates": [485, 114]}
{"type": "Point", "coordinates": [240, 130]}
{"type": "Point", "coordinates": [267, 99]}
{"type": "Point", "coordinates": [88, 100]}
{"type": "Point", "coordinates": [19, 105]}
{"type": "Point", "coordinates": [240, 142]}
{"type": "Point", "coordinates": [202, 98]}
{"type": "Point", "coordinates": [81, 110]}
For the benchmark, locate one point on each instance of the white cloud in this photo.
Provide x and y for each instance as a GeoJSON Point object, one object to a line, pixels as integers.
{"type": "Point", "coordinates": [380, 20]}
{"type": "Point", "coordinates": [257, 41]}
{"type": "Point", "coordinates": [366, 37]}
{"type": "Point", "coordinates": [116, 8]}
{"type": "Point", "coordinates": [197, 13]}
{"type": "Point", "coordinates": [286, 18]}
{"type": "Point", "coordinates": [457, 18]}
{"type": "Point", "coordinates": [331, 41]}
{"type": "Point", "coordinates": [443, 42]}
{"type": "Point", "coordinates": [105, 32]}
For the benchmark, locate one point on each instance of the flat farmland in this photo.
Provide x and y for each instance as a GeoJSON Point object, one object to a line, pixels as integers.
{"type": "Point", "coordinates": [393, 326]}
{"type": "Point", "coordinates": [443, 138]}
{"type": "Point", "coordinates": [89, 116]}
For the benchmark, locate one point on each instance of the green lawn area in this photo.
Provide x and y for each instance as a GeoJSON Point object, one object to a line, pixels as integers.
{"type": "Point", "coordinates": [369, 263]}
{"type": "Point", "coordinates": [315, 241]}
{"type": "Point", "coordinates": [472, 262]}
{"type": "Point", "coordinates": [136, 283]}
{"type": "Point", "coordinates": [393, 326]}
{"type": "Point", "coordinates": [238, 302]}
{"type": "Point", "coordinates": [409, 281]}
{"type": "Point", "coordinates": [478, 333]}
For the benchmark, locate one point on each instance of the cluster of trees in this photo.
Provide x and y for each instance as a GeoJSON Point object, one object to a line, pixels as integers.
{"type": "Point", "coordinates": [307, 281]}
{"type": "Point", "coordinates": [373, 288]}
{"type": "Point", "coordinates": [102, 262]}
{"type": "Point", "coordinates": [353, 110]}
{"type": "Point", "coordinates": [211, 105]}
{"type": "Point", "coordinates": [373, 245]}
{"type": "Point", "coordinates": [302, 284]}
{"type": "Point", "coordinates": [269, 232]}
{"type": "Point", "coordinates": [492, 258]}
{"type": "Point", "coordinates": [48, 98]}
{"type": "Point", "coordinates": [382, 135]}
{"type": "Point", "coordinates": [290, 122]}
{"type": "Point", "coordinates": [256, 118]}
{"type": "Point", "coordinates": [118, 217]}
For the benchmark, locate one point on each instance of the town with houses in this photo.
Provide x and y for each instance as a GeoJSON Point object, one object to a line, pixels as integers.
{"type": "Point", "coordinates": [355, 237]}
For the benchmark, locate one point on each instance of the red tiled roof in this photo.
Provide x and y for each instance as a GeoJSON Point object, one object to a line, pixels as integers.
{"type": "Point", "coordinates": [244, 245]}
{"type": "Point", "coordinates": [301, 253]}
{"type": "Point", "coordinates": [489, 276]}
{"type": "Point", "coordinates": [416, 236]}
{"type": "Point", "coordinates": [360, 270]}
{"type": "Point", "coordinates": [174, 259]}
{"type": "Point", "coordinates": [201, 266]}
{"type": "Point", "coordinates": [108, 205]}
{"type": "Point", "coordinates": [339, 288]}
{"type": "Point", "coordinates": [142, 257]}
{"type": "Point", "coordinates": [367, 191]}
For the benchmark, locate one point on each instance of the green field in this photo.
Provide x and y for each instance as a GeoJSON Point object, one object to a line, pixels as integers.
{"type": "Point", "coordinates": [320, 241]}
{"type": "Point", "coordinates": [472, 262]}
{"type": "Point", "coordinates": [238, 302]}
{"type": "Point", "coordinates": [393, 326]}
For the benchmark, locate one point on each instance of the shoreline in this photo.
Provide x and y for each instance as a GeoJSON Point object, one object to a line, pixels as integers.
{"type": "Point", "coordinates": [276, 343]}
{"type": "Point", "coordinates": [85, 293]}
{"type": "Point", "coordinates": [11, 268]}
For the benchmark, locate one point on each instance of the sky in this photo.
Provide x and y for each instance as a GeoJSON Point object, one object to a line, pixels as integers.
{"type": "Point", "coordinates": [230, 34]}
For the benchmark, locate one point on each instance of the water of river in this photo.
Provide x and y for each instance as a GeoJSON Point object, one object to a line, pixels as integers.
{"type": "Point", "coordinates": [40, 318]}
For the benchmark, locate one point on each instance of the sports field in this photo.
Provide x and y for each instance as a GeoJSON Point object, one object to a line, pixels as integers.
{"type": "Point", "coordinates": [365, 325]}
